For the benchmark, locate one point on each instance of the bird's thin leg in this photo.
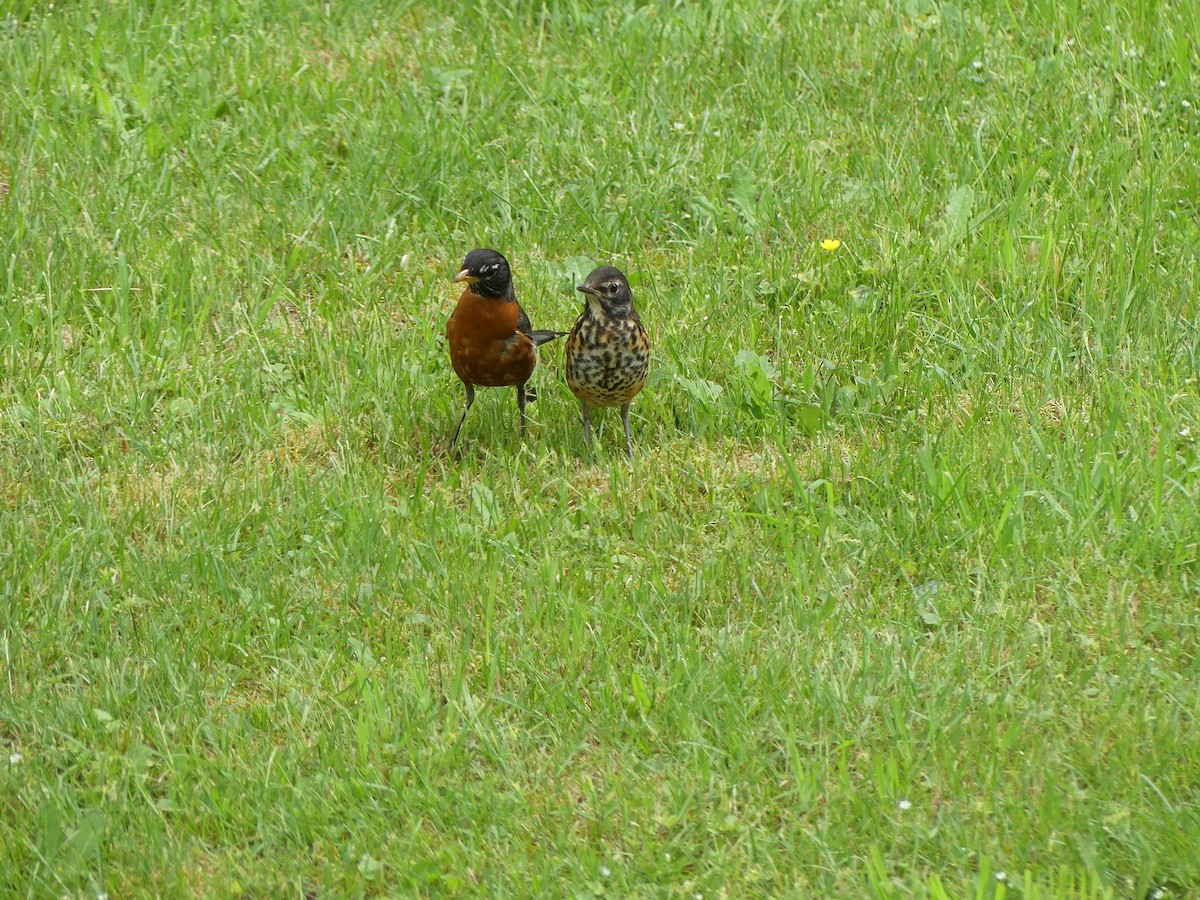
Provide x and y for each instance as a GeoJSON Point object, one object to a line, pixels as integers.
{"type": "Point", "coordinates": [587, 426]}
{"type": "Point", "coordinates": [521, 406]}
{"type": "Point", "coordinates": [462, 418]}
{"type": "Point", "coordinates": [625, 422]}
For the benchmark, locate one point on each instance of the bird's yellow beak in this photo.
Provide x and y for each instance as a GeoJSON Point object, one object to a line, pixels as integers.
{"type": "Point", "coordinates": [464, 275]}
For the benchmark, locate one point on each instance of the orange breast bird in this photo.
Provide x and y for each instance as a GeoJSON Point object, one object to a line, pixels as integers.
{"type": "Point", "coordinates": [492, 342]}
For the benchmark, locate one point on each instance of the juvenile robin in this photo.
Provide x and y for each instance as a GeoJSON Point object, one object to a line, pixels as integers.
{"type": "Point", "coordinates": [608, 351]}
{"type": "Point", "coordinates": [492, 343]}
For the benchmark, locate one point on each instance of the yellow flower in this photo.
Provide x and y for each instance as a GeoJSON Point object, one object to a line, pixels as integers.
{"type": "Point", "coordinates": [830, 244]}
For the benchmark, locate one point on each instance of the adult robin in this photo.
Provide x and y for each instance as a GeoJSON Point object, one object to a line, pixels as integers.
{"type": "Point", "coordinates": [608, 351]}
{"type": "Point", "coordinates": [492, 343]}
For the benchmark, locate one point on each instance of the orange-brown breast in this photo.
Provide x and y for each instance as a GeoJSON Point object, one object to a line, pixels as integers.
{"type": "Point", "coordinates": [485, 347]}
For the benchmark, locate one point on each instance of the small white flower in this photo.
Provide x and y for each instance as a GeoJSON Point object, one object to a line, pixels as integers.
{"type": "Point", "coordinates": [1185, 104]}
{"type": "Point", "coordinates": [14, 758]}
{"type": "Point", "coordinates": [1002, 876]}
{"type": "Point", "coordinates": [103, 895]}
{"type": "Point", "coordinates": [1157, 894]}
{"type": "Point", "coordinates": [1162, 82]}
{"type": "Point", "coordinates": [904, 804]}
{"type": "Point", "coordinates": [977, 65]}
{"type": "Point", "coordinates": [667, 856]}
{"type": "Point", "coordinates": [605, 871]}
{"type": "Point", "coordinates": [1184, 431]}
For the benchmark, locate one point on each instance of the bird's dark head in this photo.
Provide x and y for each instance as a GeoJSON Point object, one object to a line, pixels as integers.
{"type": "Point", "coordinates": [487, 272]}
{"type": "Point", "coordinates": [607, 287]}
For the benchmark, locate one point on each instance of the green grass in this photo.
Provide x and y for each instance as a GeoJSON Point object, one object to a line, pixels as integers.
{"type": "Point", "coordinates": [900, 592]}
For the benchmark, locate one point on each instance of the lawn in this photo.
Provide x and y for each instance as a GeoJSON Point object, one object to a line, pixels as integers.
{"type": "Point", "coordinates": [900, 595]}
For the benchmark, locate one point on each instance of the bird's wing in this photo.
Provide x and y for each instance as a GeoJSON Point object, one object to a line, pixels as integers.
{"type": "Point", "coordinates": [541, 335]}
{"type": "Point", "coordinates": [523, 324]}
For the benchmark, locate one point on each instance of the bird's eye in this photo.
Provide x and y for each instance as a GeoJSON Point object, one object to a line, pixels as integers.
{"type": "Point", "coordinates": [485, 269]}
{"type": "Point", "coordinates": [612, 288]}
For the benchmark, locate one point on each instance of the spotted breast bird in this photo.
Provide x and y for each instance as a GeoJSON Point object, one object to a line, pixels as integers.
{"type": "Point", "coordinates": [608, 351]}
{"type": "Point", "coordinates": [492, 343]}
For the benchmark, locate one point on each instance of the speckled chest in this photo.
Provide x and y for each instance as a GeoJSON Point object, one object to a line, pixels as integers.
{"type": "Point", "coordinates": [607, 358]}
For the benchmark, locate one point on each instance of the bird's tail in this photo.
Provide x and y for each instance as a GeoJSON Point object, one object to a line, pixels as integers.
{"type": "Point", "coordinates": [540, 336]}
{"type": "Point", "coordinates": [545, 336]}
